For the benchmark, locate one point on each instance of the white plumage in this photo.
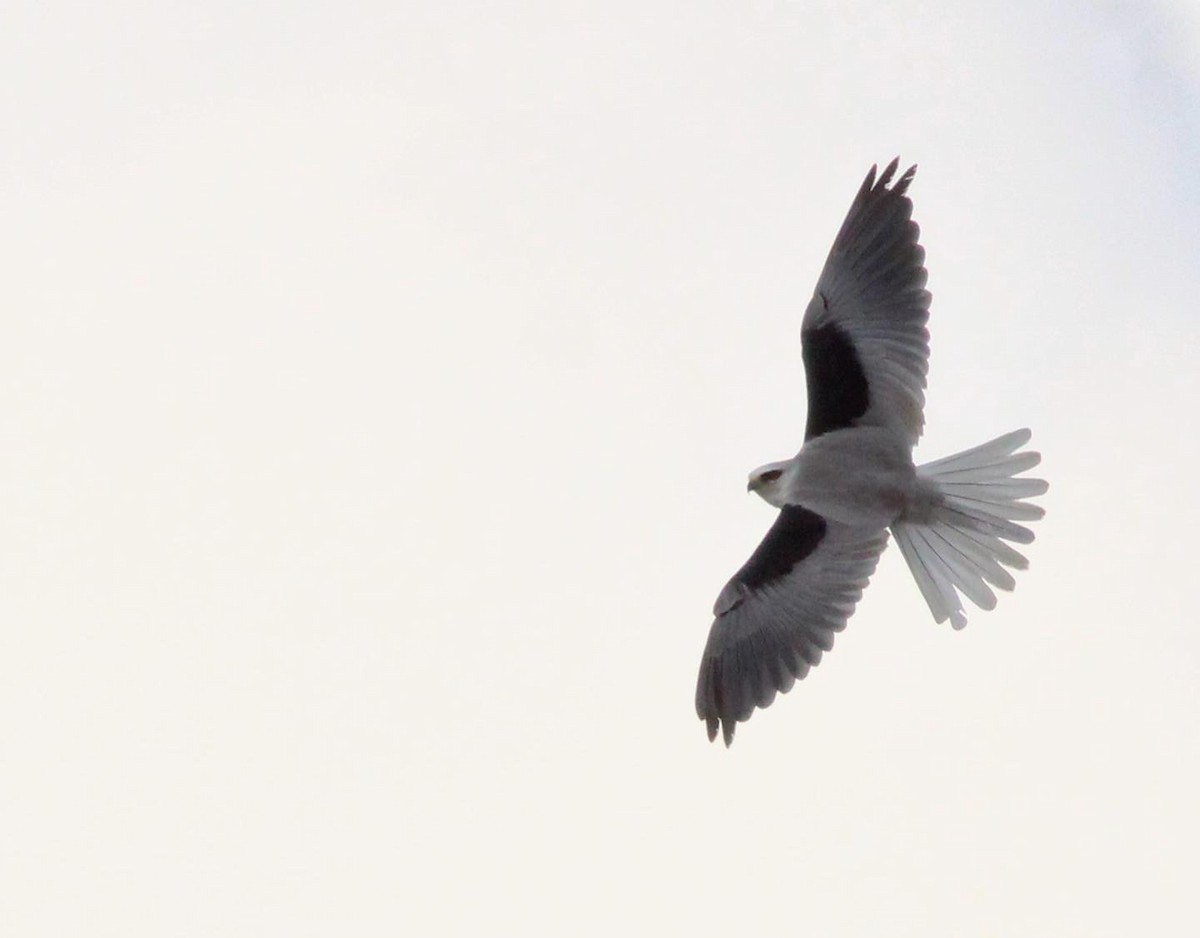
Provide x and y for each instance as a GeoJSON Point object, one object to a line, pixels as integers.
{"type": "Point", "coordinates": [866, 350]}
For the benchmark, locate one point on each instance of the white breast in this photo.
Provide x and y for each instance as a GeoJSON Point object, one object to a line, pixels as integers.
{"type": "Point", "coordinates": [861, 475]}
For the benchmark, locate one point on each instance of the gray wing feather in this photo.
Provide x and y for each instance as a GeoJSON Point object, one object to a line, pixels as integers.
{"type": "Point", "coordinates": [767, 639]}
{"type": "Point", "coordinates": [872, 289]}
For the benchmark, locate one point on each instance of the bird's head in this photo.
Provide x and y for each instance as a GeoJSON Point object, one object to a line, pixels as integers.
{"type": "Point", "coordinates": [771, 481]}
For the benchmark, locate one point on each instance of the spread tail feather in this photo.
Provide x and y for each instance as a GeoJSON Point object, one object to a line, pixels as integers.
{"type": "Point", "coordinates": [957, 544]}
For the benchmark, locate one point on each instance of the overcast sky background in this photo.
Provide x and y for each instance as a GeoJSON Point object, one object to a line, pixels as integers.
{"type": "Point", "coordinates": [379, 384]}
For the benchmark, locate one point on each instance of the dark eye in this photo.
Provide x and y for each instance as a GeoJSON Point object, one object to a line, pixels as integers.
{"type": "Point", "coordinates": [771, 475]}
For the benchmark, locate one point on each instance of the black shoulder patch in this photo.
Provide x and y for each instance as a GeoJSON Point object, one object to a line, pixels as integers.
{"type": "Point", "coordinates": [837, 383]}
{"type": "Point", "coordinates": [795, 534]}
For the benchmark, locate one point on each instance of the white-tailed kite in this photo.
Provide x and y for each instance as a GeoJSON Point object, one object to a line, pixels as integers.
{"type": "Point", "coordinates": [866, 352]}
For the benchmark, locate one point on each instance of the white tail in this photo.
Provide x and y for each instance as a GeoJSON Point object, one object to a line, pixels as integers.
{"type": "Point", "coordinates": [955, 540]}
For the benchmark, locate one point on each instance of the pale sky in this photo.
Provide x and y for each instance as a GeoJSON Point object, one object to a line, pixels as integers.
{"type": "Point", "coordinates": [380, 382]}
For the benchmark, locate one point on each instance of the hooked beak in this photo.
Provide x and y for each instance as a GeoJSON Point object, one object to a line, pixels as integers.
{"type": "Point", "coordinates": [750, 486]}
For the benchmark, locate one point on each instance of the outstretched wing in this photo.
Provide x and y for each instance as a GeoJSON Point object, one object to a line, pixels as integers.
{"type": "Point", "coordinates": [779, 612]}
{"type": "Point", "coordinates": [865, 345]}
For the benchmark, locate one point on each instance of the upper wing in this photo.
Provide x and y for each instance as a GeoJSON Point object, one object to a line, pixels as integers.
{"type": "Point", "coordinates": [865, 345]}
{"type": "Point", "coordinates": [779, 612]}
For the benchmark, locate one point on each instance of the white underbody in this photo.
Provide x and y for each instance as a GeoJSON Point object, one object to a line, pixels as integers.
{"type": "Point", "coordinates": [951, 517]}
{"type": "Point", "coordinates": [860, 476]}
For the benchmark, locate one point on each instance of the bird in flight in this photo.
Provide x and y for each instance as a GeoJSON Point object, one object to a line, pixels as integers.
{"type": "Point", "coordinates": [866, 352]}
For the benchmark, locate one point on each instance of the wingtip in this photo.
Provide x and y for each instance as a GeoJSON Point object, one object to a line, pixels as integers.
{"type": "Point", "coordinates": [714, 720]}
{"type": "Point", "coordinates": [876, 180]}
{"type": "Point", "coordinates": [888, 172]}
